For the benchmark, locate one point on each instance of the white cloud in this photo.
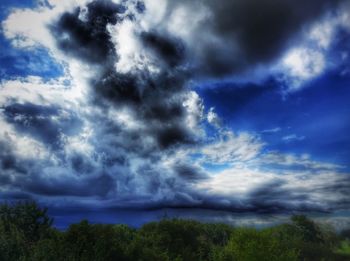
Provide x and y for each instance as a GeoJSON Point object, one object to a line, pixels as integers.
{"type": "Point", "coordinates": [307, 188]}
{"type": "Point", "coordinates": [322, 33]}
{"type": "Point", "coordinates": [235, 182]}
{"type": "Point", "coordinates": [24, 147]}
{"type": "Point", "coordinates": [195, 109]}
{"type": "Point", "coordinates": [213, 118]}
{"type": "Point", "coordinates": [232, 148]}
{"type": "Point", "coordinates": [125, 118]}
{"type": "Point", "coordinates": [295, 161]}
{"type": "Point", "coordinates": [133, 58]}
{"type": "Point", "coordinates": [28, 28]}
{"type": "Point", "coordinates": [301, 65]}
{"type": "Point", "coordinates": [80, 143]}
{"type": "Point", "coordinates": [310, 59]}
{"type": "Point", "coordinates": [36, 90]}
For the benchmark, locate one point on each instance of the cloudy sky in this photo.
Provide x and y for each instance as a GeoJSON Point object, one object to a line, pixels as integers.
{"type": "Point", "coordinates": [115, 109]}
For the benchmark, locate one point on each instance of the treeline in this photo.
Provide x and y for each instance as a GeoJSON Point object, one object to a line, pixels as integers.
{"type": "Point", "coordinates": [26, 233]}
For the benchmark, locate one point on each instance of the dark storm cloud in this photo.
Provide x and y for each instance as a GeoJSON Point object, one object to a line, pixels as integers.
{"type": "Point", "coordinates": [39, 121]}
{"type": "Point", "coordinates": [117, 88]}
{"type": "Point", "coordinates": [168, 49]}
{"type": "Point", "coordinates": [189, 172]}
{"type": "Point", "coordinates": [173, 135]}
{"type": "Point", "coordinates": [84, 187]}
{"type": "Point", "coordinates": [5, 196]}
{"type": "Point", "coordinates": [26, 178]}
{"type": "Point", "coordinates": [341, 188]}
{"type": "Point", "coordinates": [83, 33]}
{"type": "Point", "coordinates": [80, 164]}
{"type": "Point", "coordinates": [273, 197]}
{"type": "Point", "coordinates": [248, 32]}
{"type": "Point", "coordinates": [10, 163]}
{"type": "Point", "coordinates": [155, 100]}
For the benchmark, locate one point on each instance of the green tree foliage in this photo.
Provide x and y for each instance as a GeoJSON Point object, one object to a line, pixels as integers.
{"type": "Point", "coordinates": [179, 240]}
{"type": "Point", "coordinates": [28, 218]}
{"type": "Point", "coordinates": [308, 229]}
{"type": "Point", "coordinates": [250, 244]}
{"type": "Point", "coordinates": [345, 234]}
{"type": "Point", "coordinates": [49, 249]}
{"type": "Point", "coordinates": [12, 243]}
{"type": "Point", "coordinates": [22, 225]}
{"type": "Point", "coordinates": [85, 241]}
{"type": "Point", "coordinates": [315, 240]}
{"type": "Point", "coordinates": [26, 234]}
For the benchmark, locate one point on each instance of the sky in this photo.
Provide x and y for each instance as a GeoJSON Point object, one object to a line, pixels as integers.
{"type": "Point", "coordinates": [132, 110]}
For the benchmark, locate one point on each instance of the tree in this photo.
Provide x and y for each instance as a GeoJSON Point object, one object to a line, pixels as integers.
{"type": "Point", "coordinates": [12, 243]}
{"type": "Point", "coordinates": [28, 218]}
{"type": "Point", "coordinates": [98, 242]}
{"type": "Point", "coordinates": [179, 239]}
{"type": "Point", "coordinates": [22, 225]}
{"type": "Point", "coordinates": [308, 229]}
{"type": "Point", "coordinates": [253, 245]}
{"type": "Point", "coordinates": [317, 242]}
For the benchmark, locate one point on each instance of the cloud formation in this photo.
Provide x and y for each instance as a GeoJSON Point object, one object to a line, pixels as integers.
{"type": "Point", "coordinates": [229, 37]}
{"type": "Point", "coordinates": [124, 129]}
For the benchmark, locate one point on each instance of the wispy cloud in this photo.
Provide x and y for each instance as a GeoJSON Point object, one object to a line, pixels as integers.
{"type": "Point", "coordinates": [293, 137]}
{"type": "Point", "coordinates": [274, 130]}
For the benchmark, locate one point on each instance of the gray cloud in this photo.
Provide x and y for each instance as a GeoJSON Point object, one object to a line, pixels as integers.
{"type": "Point", "coordinates": [169, 49]}
{"type": "Point", "coordinates": [155, 100]}
{"type": "Point", "coordinates": [8, 162]}
{"type": "Point", "coordinates": [87, 38]}
{"type": "Point", "coordinates": [45, 123]}
{"type": "Point", "coordinates": [84, 187]}
{"type": "Point", "coordinates": [238, 35]}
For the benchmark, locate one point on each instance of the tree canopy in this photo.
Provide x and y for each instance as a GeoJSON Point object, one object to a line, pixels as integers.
{"type": "Point", "coordinates": [27, 233]}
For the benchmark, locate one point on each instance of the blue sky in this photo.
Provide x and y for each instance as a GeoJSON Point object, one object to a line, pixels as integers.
{"type": "Point", "coordinates": [21, 63]}
{"type": "Point", "coordinates": [314, 120]}
{"type": "Point", "coordinates": [121, 107]}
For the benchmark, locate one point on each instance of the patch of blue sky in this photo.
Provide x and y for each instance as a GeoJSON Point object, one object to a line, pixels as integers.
{"type": "Point", "coordinates": [196, 156]}
{"type": "Point", "coordinates": [134, 218]}
{"type": "Point", "coordinates": [341, 53]}
{"type": "Point", "coordinates": [21, 63]}
{"type": "Point", "coordinates": [319, 113]}
{"type": "Point", "coordinates": [208, 166]}
{"type": "Point", "coordinates": [16, 62]}
{"type": "Point", "coordinates": [7, 5]}
{"type": "Point", "coordinates": [210, 130]}
{"type": "Point", "coordinates": [217, 167]}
